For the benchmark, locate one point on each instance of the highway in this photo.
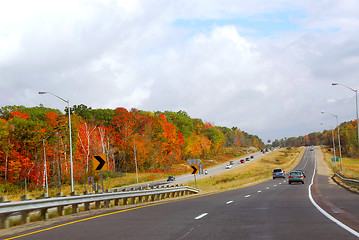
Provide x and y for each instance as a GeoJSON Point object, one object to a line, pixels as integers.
{"type": "Point", "coordinates": [269, 210]}
{"type": "Point", "coordinates": [216, 170]}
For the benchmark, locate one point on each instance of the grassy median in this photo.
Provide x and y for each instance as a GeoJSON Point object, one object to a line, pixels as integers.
{"type": "Point", "coordinates": [260, 170]}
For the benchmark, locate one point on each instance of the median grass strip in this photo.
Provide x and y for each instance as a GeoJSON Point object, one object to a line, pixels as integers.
{"type": "Point", "coordinates": [261, 169]}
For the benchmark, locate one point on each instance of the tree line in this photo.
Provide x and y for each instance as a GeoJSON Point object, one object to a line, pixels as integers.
{"type": "Point", "coordinates": [348, 132]}
{"type": "Point", "coordinates": [157, 139]}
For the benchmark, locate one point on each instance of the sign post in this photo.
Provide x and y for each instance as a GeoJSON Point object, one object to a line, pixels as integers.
{"type": "Point", "coordinates": [100, 164]}
{"type": "Point", "coordinates": [195, 165]}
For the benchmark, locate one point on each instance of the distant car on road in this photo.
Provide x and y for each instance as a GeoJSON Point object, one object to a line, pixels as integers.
{"type": "Point", "coordinates": [228, 166]}
{"type": "Point", "coordinates": [252, 156]}
{"type": "Point", "coordinates": [171, 178]}
{"type": "Point", "coordinates": [242, 161]}
{"type": "Point", "coordinates": [278, 173]}
{"type": "Point", "coordinates": [296, 176]}
{"type": "Point", "coordinates": [231, 162]}
{"type": "Point", "coordinates": [247, 158]}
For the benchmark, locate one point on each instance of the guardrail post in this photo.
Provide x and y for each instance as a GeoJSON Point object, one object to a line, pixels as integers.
{"type": "Point", "coordinates": [124, 201]}
{"type": "Point", "coordinates": [75, 208]}
{"type": "Point", "coordinates": [107, 203]}
{"type": "Point", "coordinates": [98, 204]}
{"type": "Point", "coordinates": [115, 201]}
{"type": "Point", "coordinates": [87, 206]}
{"type": "Point", "coordinates": [4, 221]}
{"type": "Point", "coordinates": [3, 199]}
{"type": "Point", "coordinates": [133, 200]}
{"type": "Point", "coordinates": [24, 197]}
{"type": "Point", "coordinates": [60, 211]}
{"type": "Point", "coordinates": [25, 218]}
{"type": "Point", "coordinates": [44, 214]}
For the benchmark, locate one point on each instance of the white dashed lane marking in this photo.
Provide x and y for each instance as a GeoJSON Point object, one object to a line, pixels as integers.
{"type": "Point", "coordinates": [229, 202]}
{"type": "Point", "coordinates": [201, 216]}
{"type": "Point", "coordinates": [247, 196]}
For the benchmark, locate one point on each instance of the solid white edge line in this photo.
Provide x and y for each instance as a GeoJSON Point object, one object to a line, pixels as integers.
{"type": "Point", "coordinates": [352, 231]}
{"type": "Point", "coordinates": [201, 216]}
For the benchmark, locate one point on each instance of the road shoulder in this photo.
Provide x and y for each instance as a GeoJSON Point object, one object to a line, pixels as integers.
{"type": "Point", "coordinates": [335, 200]}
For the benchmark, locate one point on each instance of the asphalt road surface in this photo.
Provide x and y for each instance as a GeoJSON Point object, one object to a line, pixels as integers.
{"type": "Point", "coordinates": [270, 210]}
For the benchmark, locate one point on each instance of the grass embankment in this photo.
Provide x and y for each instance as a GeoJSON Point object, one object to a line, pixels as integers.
{"type": "Point", "coordinates": [350, 167]}
{"type": "Point", "coordinates": [260, 170]}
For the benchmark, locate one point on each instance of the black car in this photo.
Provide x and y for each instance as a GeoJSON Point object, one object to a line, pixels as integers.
{"type": "Point", "coordinates": [171, 178]}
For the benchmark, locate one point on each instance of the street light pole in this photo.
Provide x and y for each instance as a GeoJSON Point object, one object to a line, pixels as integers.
{"type": "Point", "coordinates": [340, 151]}
{"type": "Point", "coordinates": [335, 156]}
{"type": "Point", "coordinates": [356, 103]}
{"type": "Point", "coordinates": [71, 163]}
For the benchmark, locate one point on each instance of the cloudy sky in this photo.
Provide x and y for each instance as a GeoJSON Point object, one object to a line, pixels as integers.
{"type": "Point", "coordinates": [263, 66]}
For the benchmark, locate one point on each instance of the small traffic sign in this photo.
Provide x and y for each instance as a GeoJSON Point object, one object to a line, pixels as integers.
{"type": "Point", "coordinates": [96, 187]}
{"type": "Point", "coordinates": [193, 161]}
{"type": "Point", "coordinates": [195, 169]}
{"type": "Point", "coordinates": [99, 162]}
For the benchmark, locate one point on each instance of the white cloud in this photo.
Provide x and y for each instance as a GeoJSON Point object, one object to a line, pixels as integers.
{"type": "Point", "coordinates": [131, 54]}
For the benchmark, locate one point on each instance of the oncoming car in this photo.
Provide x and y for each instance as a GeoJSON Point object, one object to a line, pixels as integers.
{"type": "Point", "coordinates": [228, 166]}
{"type": "Point", "coordinates": [296, 176]}
{"type": "Point", "coordinates": [171, 178]}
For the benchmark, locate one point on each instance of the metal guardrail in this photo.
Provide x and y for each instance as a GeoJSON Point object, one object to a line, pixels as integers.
{"type": "Point", "coordinates": [347, 180]}
{"type": "Point", "coordinates": [27, 206]}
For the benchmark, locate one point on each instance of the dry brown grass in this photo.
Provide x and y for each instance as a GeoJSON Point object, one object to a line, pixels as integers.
{"type": "Point", "coordinates": [350, 166]}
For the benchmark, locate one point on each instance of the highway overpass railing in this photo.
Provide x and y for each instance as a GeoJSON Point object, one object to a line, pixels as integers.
{"type": "Point", "coordinates": [27, 206]}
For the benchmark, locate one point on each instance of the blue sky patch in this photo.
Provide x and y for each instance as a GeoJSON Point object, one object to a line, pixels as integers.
{"type": "Point", "coordinates": [260, 25]}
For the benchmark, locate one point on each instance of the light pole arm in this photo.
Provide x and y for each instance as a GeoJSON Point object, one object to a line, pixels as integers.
{"type": "Point", "coordinates": [67, 101]}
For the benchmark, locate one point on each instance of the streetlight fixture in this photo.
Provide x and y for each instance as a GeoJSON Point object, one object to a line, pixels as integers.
{"type": "Point", "coordinates": [335, 157]}
{"type": "Point", "coordinates": [340, 151]}
{"type": "Point", "coordinates": [356, 101]}
{"type": "Point", "coordinates": [71, 164]}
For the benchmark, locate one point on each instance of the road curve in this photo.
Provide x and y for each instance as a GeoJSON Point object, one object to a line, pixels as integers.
{"type": "Point", "coordinates": [269, 210]}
